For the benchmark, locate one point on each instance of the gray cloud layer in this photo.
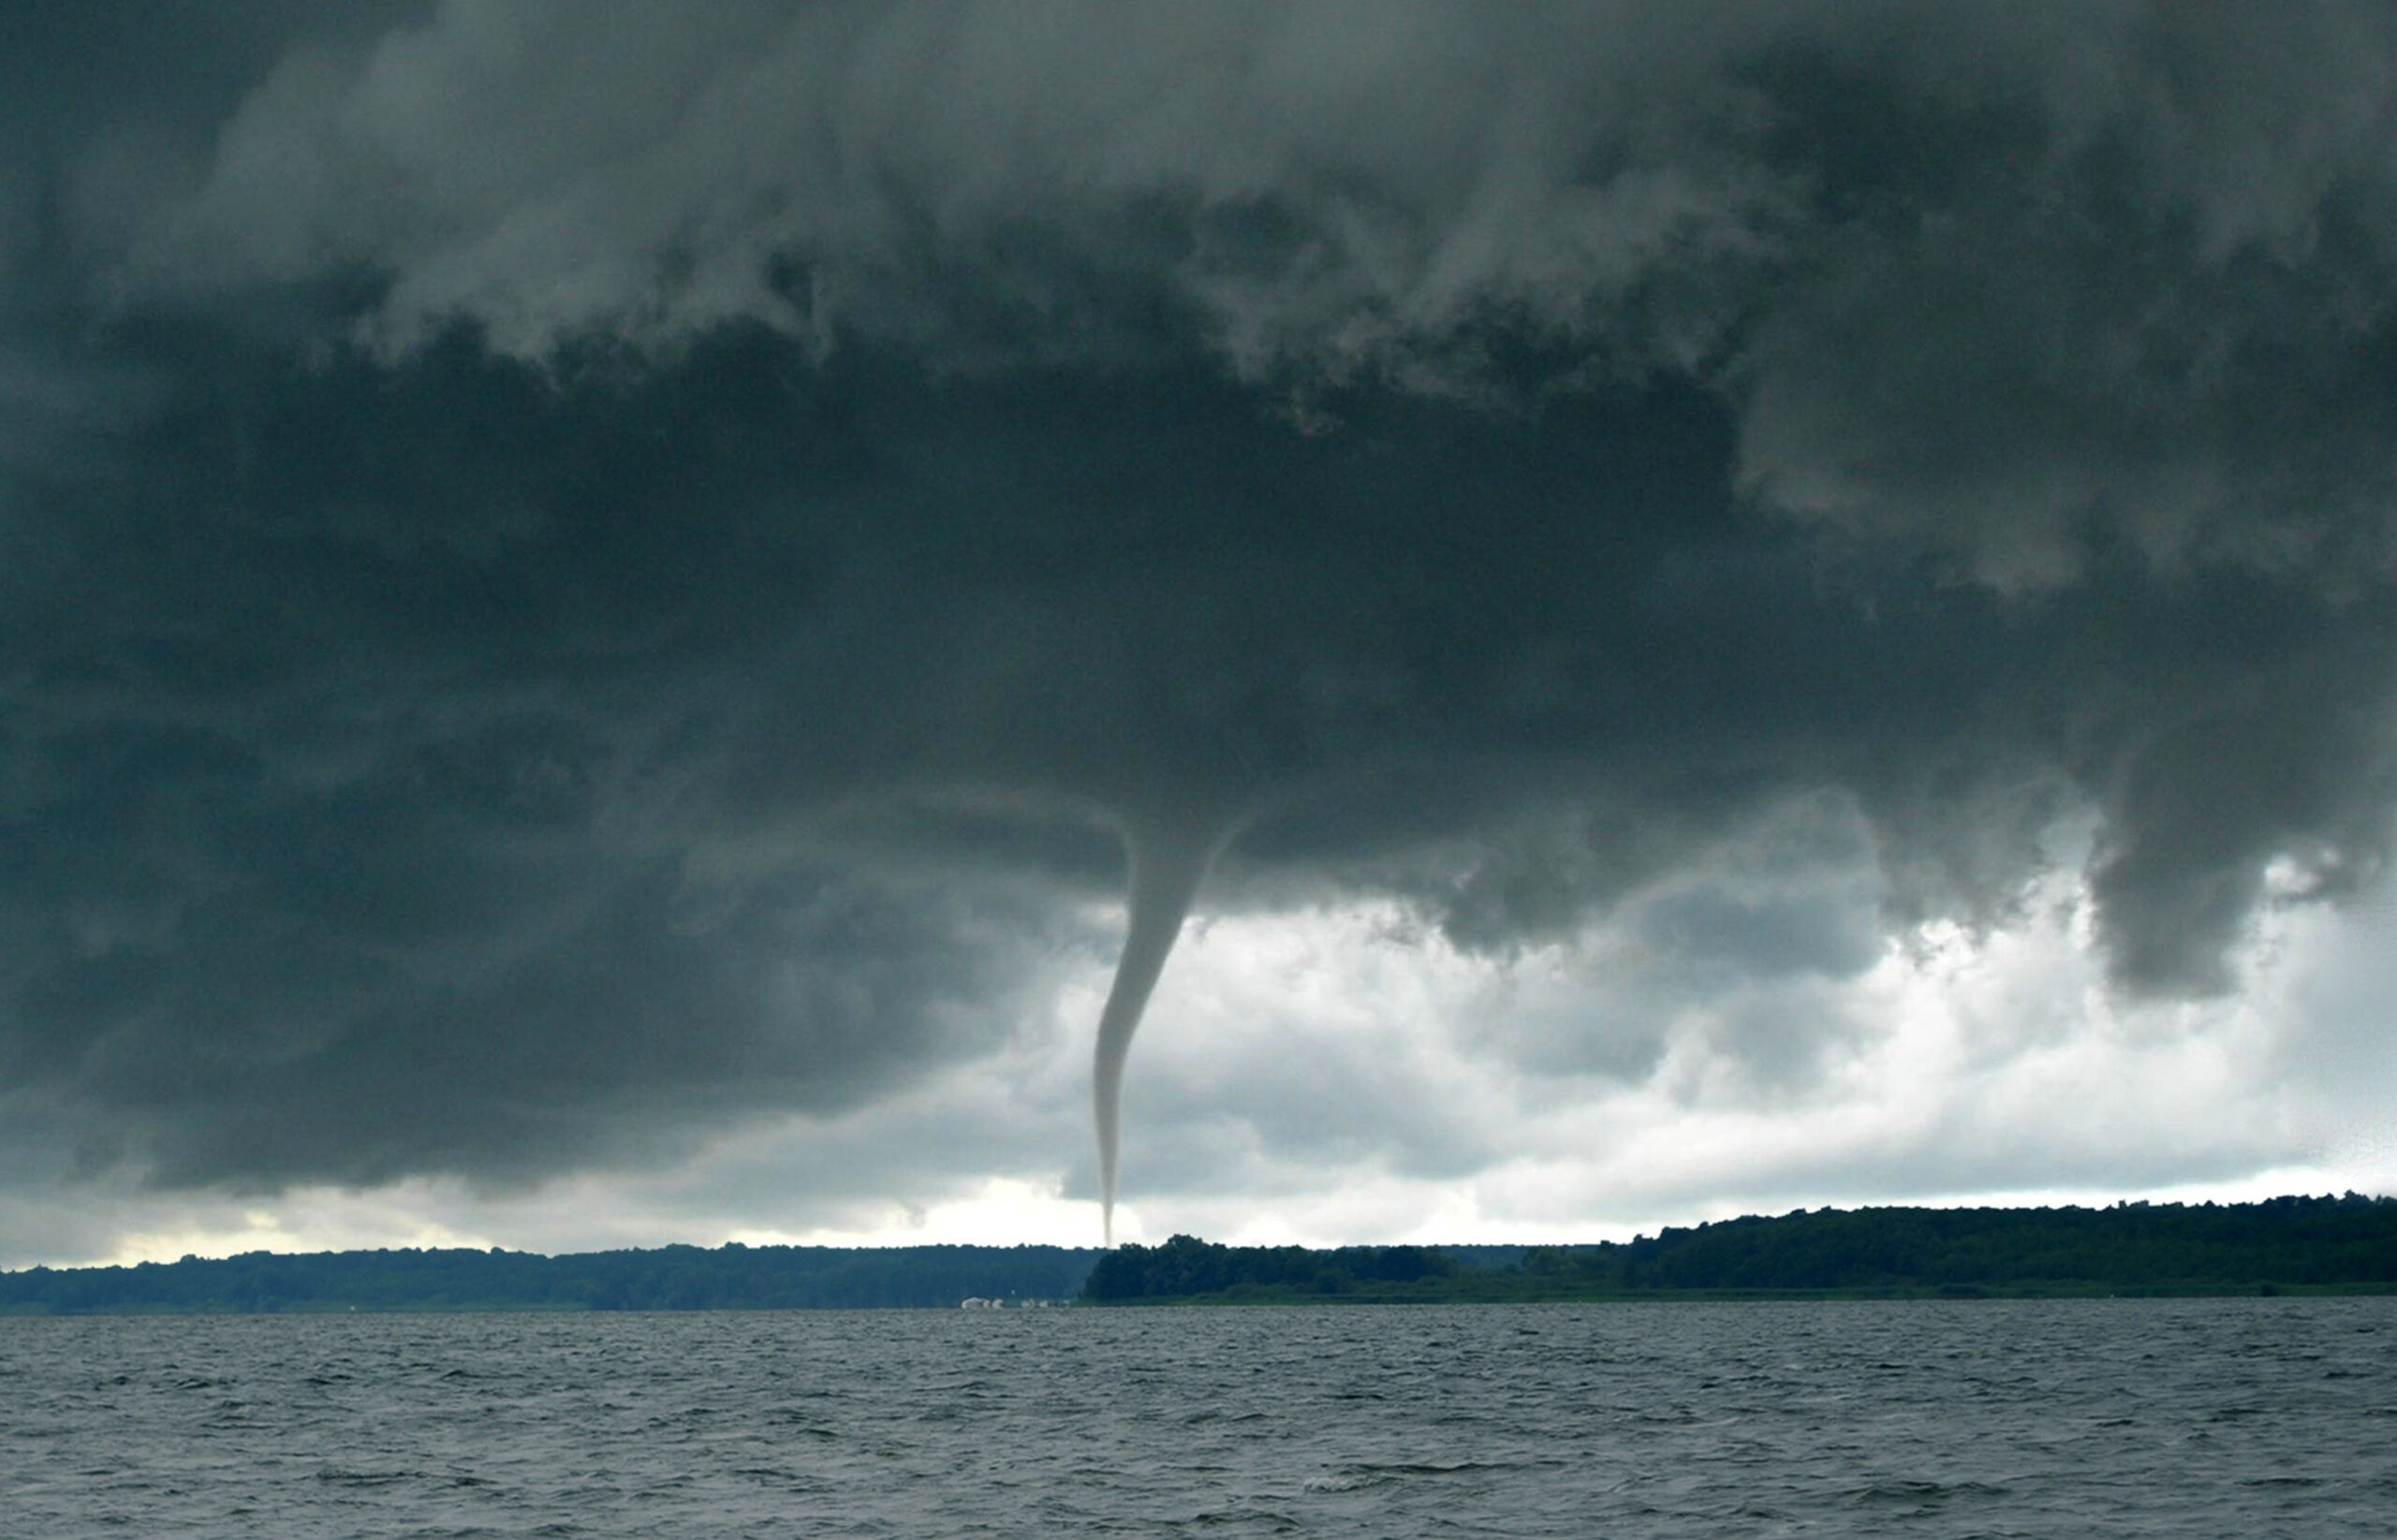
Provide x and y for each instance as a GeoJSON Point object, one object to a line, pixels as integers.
{"type": "Point", "coordinates": [573, 573]}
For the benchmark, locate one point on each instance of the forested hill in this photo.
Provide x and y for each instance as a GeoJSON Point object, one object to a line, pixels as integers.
{"type": "Point", "coordinates": [2287, 1243]}
{"type": "Point", "coordinates": [731, 1277]}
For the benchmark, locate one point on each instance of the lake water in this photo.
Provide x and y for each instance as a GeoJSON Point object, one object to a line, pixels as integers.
{"type": "Point", "coordinates": [1986, 1418]}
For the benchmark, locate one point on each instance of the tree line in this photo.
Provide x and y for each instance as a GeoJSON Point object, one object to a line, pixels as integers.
{"type": "Point", "coordinates": [730, 1277]}
{"type": "Point", "coordinates": [2285, 1244]}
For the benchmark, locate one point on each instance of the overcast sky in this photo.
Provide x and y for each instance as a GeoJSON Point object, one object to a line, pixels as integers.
{"type": "Point", "coordinates": [1767, 605]}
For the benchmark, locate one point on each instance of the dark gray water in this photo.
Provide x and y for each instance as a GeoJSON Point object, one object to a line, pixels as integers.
{"type": "Point", "coordinates": [2088, 1419]}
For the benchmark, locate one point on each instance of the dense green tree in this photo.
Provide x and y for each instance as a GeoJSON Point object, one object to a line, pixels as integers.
{"type": "Point", "coordinates": [2288, 1242]}
{"type": "Point", "coordinates": [668, 1278]}
{"type": "Point", "coordinates": [2285, 1244]}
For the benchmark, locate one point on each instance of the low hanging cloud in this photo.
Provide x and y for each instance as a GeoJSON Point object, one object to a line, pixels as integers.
{"type": "Point", "coordinates": [575, 576]}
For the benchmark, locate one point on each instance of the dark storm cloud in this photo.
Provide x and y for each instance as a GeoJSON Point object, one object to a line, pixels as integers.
{"type": "Point", "coordinates": [568, 578]}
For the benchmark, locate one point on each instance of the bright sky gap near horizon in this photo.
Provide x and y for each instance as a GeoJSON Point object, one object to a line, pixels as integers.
{"type": "Point", "coordinates": [1730, 607]}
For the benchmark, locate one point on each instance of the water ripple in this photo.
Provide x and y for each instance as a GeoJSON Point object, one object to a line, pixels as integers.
{"type": "Point", "coordinates": [2121, 1418]}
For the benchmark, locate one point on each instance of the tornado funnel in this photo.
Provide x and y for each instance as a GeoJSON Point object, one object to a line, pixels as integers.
{"type": "Point", "coordinates": [1167, 868]}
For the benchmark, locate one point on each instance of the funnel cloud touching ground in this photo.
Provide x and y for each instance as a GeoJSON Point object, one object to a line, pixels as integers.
{"type": "Point", "coordinates": [1773, 593]}
{"type": "Point", "coordinates": [1167, 865]}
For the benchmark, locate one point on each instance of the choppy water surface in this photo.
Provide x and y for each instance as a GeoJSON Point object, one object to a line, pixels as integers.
{"type": "Point", "coordinates": [2086, 1418]}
